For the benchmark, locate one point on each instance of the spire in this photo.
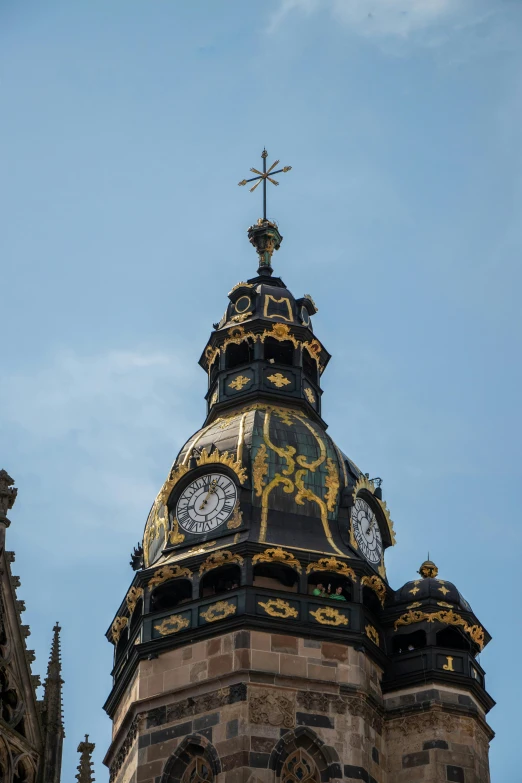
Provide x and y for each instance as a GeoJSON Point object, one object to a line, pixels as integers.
{"type": "Point", "coordinates": [52, 716]}
{"type": "Point", "coordinates": [85, 773]}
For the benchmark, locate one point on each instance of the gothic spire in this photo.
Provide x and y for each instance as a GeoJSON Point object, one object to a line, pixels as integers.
{"type": "Point", "coordinates": [52, 716]}
{"type": "Point", "coordinates": [85, 773]}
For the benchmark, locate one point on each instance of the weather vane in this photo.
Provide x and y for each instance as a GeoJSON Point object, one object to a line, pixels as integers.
{"type": "Point", "coordinates": [263, 176]}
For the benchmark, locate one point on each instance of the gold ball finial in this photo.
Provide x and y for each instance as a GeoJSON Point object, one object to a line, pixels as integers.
{"type": "Point", "coordinates": [428, 570]}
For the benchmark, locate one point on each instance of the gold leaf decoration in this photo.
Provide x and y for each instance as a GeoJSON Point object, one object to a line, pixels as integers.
{"type": "Point", "coordinates": [238, 382]}
{"type": "Point", "coordinates": [414, 605]}
{"type": "Point", "coordinates": [175, 535]}
{"type": "Point", "coordinates": [309, 395]}
{"type": "Point", "coordinates": [334, 566]}
{"type": "Point", "coordinates": [117, 627]}
{"type": "Point", "coordinates": [166, 573]}
{"type": "Point", "coordinates": [444, 604]}
{"type": "Point", "coordinates": [447, 618]}
{"type": "Point", "coordinates": [332, 484]}
{"type": "Point", "coordinates": [236, 520]}
{"type": "Point", "coordinates": [276, 607]}
{"type": "Point", "coordinates": [218, 611]}
{"type": "Point", "coordinates": [217, 559]}
{"type": "Point", "coordinates": [279, 380]}
{"type": "Point", "coordinates": [260, 469]}
{"type": "Point", "coordinates": [224, 458]}
{"type": "Point", "coordinates": [132, 598]}
{"type": "Point", "coordinates": [278, 555]}
{"type": "Point", "coordinates": [372, 634]}
{"type": "Point", "coordinates": [172, 624]}
{"type": "Point", "coordinates": [279, 332]}
{"type": "Point", "coordinates": [327, 615]}
{"type": "Point", "coordinates": [376, 584]}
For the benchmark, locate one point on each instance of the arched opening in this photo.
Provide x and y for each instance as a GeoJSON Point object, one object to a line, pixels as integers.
{"type": "Point", "coordinates": [171, 594]}
{"type": "Point", "coordinates": [122, 643]}
{"type": "Point", "coordinates": [327, 585]}
{"type": "Point", "coordinates": [220, 580]}
{"type": "Point", "coordinates": [214, 369]}
{"type": "Point", "coordinates": [9, 701]}
{"type": "Point", "coordinates": [23, 772]}
{"type": "Point", "coordinates": [371, 601]}
{"type": "Point", "coordinates": [300, 768]}
{"type": "Point", "coordinates": [279, 352]}
{"type": "Point", "coordinates": [194, 761]}
{"type": "Point", "coordinates": [452, 638]}
{"type": "Point", "coordinates": [136, 615]}
{"type": "Point", "coordinates": [275, 576]}
{"type": "Point", "coordinates": [408, 642]}
{"type": "Point", "coordinates": [309, 367]}
{"type": "Point", "coordinates": [237, 355]}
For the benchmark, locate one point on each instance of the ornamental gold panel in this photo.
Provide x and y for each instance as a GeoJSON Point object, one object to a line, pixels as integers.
{"type": "Point", "coordinates": [117, 627]}
{"type": "Point", "coordinates": [132, 598]}
{"type": "Point", "coordinates": [236, 520]}
{"type": "Point", "coordinates": [276, 607]}
{"type": "Point", "coordinates": [238, 382]}
{"type": "Point", "coordinates": [172, 624]}
{"type": "Point", "coordinates": [218, 611]}
{"type": "Point", "coordinates": [279, 380]}
{"type": "Point", "coordinates": [327, 615]}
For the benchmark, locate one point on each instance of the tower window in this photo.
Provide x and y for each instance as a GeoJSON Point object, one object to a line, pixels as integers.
{"type": "Point", "coordinates": [279, 352]}
{"type": "Point", "coordinates": [325, 585]}
{"type": "Point", "coordinates": [450, 637]}
{"type": "Point", "coordinates": [170, 594]}
{"type": "Point", "coordinates": [220, 580]}
{"type": "Point", "coordinates": [408, 642]}
{"type": "Point", "coordinates": [275, 576]}
{"type": "Point", "coordinates": [214, 370]}
{"type": "Point", "coordinates": [238, 355]}
{"type": "Point", "coordinates": [309, 367]}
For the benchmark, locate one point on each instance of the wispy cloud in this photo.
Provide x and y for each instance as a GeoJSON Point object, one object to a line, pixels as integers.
{"type": "Point", "coordinates": [99, 431]}
{"type": "Point", "coordinates": [384, 18]}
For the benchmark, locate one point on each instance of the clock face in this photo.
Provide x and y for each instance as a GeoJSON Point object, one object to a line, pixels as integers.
{"type": "Point", "coordinates": [206, 503]}
{"type": "Point", "coordinates": [366, 531]}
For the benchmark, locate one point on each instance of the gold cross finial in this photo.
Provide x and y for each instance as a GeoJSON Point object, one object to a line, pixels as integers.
{"type": "Point", "coordinates": [263, 176]}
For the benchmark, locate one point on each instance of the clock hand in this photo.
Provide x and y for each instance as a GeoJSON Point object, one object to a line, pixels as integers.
{"type": "Point", "coordinates": [211, 491]}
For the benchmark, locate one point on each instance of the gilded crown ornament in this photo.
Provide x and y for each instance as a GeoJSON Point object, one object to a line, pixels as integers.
{"type": "Point", "coordinates": [428, 569]}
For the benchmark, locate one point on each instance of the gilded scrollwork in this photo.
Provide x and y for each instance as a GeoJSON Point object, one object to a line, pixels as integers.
{"type": "Point", "coordinates": [475, 632]}
{"type": "Point", "coordinates": [376, 584]}
{"type": "Point", "coordinates": [175, 535]}
{"type": "Point", "coordinates": [332, 484]}
{"type": "Point", "coordinates": [327, 615]}
{"type": "Point", "coordinates": [260, 469]}
{"type": "Point", "coordinates": [236, 520]}
{"type": "Point", "coordinates": [279, 380]}
{"type": "Point", "coordinates": [219, 611]}
{"type": "Point", "coordinates": [223, 458]}
{"type": "Point", "coordinates": [276, 607]}
{"type": "Point", "coordinates": [278, 555]}
{"type": "Point", "coordinates": [372, 633]}
{"type": "Point", "coordinates": [239, 381]}
{"type": "Point", "coordinates": [132, 598]}
{"type": "Point", "coordinates": [166, 573]}
{"type": "Point", "coordinates": [117, 627]}
{"type": "Point", "coordinates": [172, 624]}
{"type": "Point", "coordinates": [218, 559]}
{"type": "Point", "coordinates": [308, 393]}
{"type": "Point", "coordinates": [334, 566]}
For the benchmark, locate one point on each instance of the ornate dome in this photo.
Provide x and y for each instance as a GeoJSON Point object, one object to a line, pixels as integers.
{"type": "Point", "coordinates": [430, 589]}
{"type": "Point", "coordinates": [292, 477]}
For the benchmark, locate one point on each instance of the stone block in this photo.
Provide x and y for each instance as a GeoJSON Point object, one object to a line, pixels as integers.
{"type": "Point", "coordinates": [293, 665]}
{"type": "Point", "coordinates": [219, 665]}
{"type": "Point", "coordinates": [416, 759]}
{"type": "Point", "coordinates": [265, 661]}
{"type": "Point", "coordinates": [260, 641]}
{"type": "Point", "coordinates": [284, 644]}
{"type": "Point", "coordinates": [336, 652]}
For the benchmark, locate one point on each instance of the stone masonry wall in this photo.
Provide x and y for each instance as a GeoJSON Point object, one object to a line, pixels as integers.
{"type": "Point", "coordinates": [248, 698]}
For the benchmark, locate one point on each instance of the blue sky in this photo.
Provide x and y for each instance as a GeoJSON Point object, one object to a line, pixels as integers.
{"type": "Point", "coordinates": [125, 128]}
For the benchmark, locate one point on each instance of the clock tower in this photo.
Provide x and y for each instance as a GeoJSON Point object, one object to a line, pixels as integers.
{"type": "Point", "coordinates": [260, 640]}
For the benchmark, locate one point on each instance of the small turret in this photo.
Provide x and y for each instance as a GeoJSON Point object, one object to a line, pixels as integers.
{"type": "Point", "coordinates": [85, 773]}
{"type": "Point", "coordinates": [52, 715]}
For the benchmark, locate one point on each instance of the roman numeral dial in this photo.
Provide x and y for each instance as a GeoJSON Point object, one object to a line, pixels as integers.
{"type": "Point", "coordinates": [206, 503]}
{"type": "Point", "coordinates": [366, 531]}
